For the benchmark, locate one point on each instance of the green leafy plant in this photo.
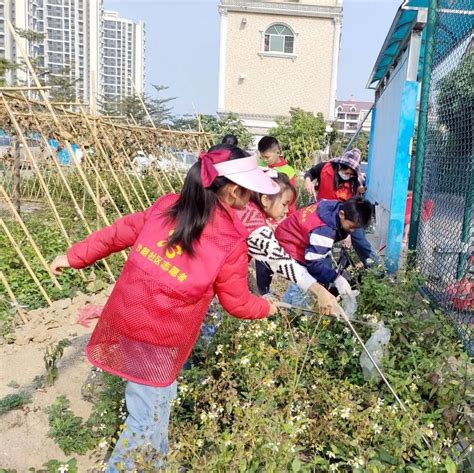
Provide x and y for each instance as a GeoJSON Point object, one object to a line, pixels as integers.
{"type": "Point", "coordinates": [51, 357]}
{"type": "Point", "coordinates": [68, 430]}
{"type": "Point", "coordinates": [301, 135]}
{"type": "Point", "coordinates": [14, 401]}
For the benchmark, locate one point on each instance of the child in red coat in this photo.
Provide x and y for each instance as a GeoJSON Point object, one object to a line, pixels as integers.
{"type": "Point", "coordinates": [184, 249]}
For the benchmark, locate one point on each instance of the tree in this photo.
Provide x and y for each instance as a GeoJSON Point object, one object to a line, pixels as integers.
{"type": "Point", "coordinates": [5, 66]}
{"type": "Point", "coordinates": [63, 85]}
{"type": "Point", "coordinates": [338, 143]}
{"type": "Point", "coordinates": [132, 105]}
{"type": "Point", "coordinates": [185, 123]}
{"type": "Point", "coordinates": [229, 124]}
{"type": "Point", "coordinates": [300, 136]}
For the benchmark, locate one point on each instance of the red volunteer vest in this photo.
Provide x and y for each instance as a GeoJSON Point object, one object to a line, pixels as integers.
{"type": "Point", "coordinates": [293, 232]}
{"type": "Point", "coordinates": [152, 318]}
{"type": "Point", "coordinates": [326, 189]}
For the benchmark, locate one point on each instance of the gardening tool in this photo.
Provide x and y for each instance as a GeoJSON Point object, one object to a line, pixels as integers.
{"type": "Point", "coordinates": [364, 347]}
{"type": "Point", "coordinates": [284, 305]}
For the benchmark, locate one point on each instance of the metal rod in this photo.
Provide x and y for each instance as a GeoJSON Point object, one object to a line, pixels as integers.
{"type": "Point", "coordinates": [359, 339]}
{"type": "Point", "coordinates": [284, 305]}
{"type": "Point", "coordinates": [422, 127]}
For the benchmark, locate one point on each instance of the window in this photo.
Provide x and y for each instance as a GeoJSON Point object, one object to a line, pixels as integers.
{"type": "Point", "coordinates": [279, 39]}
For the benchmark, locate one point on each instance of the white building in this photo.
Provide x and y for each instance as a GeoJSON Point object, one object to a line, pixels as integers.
{"type": "Point", "coordinates": [123, 56]}
{"type": "Point", "coordinates": [275, 55]}
{"type": "Point", "coordinates": [350, 114]}
{"type": "Point", "coordinates": [75, 37]}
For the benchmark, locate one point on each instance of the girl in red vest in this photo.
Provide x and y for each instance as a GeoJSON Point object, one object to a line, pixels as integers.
{"type": "Point", "coordinates": [341, 179]}
{"type": "Point", "coordinates": [184, 249]}
{"type": "Point", "coordinates": [261, 217]}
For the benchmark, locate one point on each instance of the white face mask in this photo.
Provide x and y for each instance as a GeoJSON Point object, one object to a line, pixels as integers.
{"type": "Point", "coordinates": [344, 176]}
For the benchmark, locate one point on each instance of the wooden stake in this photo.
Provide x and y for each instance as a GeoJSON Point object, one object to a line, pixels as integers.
{"type": "Point", "coordinates": [25, 261]}
{"type": "Point", "coordinates": [15, 304]}
{"type": "Point", "coordinates": [17, 176]}
{"type": "Point", "coordinates": [30, 238]}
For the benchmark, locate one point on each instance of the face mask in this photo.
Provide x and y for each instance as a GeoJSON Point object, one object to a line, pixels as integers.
{"type": "Point", "coordinates": [344, 176]}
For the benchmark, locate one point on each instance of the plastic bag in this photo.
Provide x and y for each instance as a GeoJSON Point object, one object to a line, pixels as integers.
{"type": "Point", "coordinates": [377, 346]}
{"type": "Point", "coordinates": [349, 303]}
{"type": "Point", "coordinates": [88, 313]}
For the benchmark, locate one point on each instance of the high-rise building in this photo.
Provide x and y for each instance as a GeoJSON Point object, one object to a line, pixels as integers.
{"type": "Point", "coordinates": [123, 46]}
{"type": "Point", "coordinates": [102, 53]}
{"type": "Point", "coordinates": [275, 55]}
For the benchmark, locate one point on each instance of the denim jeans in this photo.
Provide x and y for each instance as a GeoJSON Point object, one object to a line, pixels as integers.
{"type": "Point", "coordinates": [296, 297]}
{"type": "Point", "coordinates": [146, 428]}
{"type": "Point", "coordinates": [363, 248]}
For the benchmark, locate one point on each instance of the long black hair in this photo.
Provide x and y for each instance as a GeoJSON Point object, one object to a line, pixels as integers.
{"type": "Point", "coordinates": [196, 204]}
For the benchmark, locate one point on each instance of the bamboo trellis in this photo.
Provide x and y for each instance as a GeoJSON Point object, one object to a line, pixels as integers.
{"type": "Point", "coordinates": [104, 185]}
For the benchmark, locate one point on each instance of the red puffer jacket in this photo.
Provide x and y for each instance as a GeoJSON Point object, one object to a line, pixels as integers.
{"type": "Point", "coordinates": [152, 318]}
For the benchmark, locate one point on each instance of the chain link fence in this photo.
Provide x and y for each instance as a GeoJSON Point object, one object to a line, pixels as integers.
{"type": "Point", "coordinates": [445, 239]}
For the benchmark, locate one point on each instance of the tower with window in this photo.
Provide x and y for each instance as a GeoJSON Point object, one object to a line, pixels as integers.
{"type": "Point", "coordinates": [275, 55]}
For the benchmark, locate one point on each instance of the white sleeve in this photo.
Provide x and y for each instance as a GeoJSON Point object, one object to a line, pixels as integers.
{"type": "Point", "coordinates": [264, 247]}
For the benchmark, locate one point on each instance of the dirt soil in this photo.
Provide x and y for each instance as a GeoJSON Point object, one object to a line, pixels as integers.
{"type": "Point", "coordinates": [24, 441]}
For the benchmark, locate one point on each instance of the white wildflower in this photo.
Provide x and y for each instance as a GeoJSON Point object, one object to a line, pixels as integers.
{"type": "Point", "coordinates": [334, 467]}
{"type": "Point", "coordinates": [183, 388]}
{"type": "Point", "coordinates": [413, 387]}
{"type": "Point", "coordinates": [358, 462]}
{"type": "Point", "coordinates": [199, 443]}
{"type": "Point", "coordinates": [377, 429]}
{"type": "Point", "coordinates": [103, 444]}
{"type": "Point", "coordinates": [219, 349]}
{"type": "Point", "coordinates": [330, 454]}
{"type": "Point", "coordinates": [345, 413]}
{"type": "Point", "coordinates": [245, 360]}
{"type": "Point", "coordinates": [63, 468]}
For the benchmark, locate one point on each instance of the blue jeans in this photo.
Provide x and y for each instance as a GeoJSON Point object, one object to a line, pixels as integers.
{"type": "Point", "coordinates": [296, 297]}
{"type": "Point", "coordinates": [363, 248]}
{"type": "Point", "coordinates": [146, 428]}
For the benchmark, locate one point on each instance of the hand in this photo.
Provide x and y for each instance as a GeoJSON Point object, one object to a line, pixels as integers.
{"type": "Point", "coordinates": [361, 190]}
{"type": "Point", "coordinates": [58, 264]}
{"type": "Point", "coordinates": [308, 184]}
{"type": "Point", "coordinates": [327, 303]}
{"type": "Point", "coordinates": [342, 286]}
{"type": "Point", "coordinates": [347, 243]}
{"type": "Point", "coordinates": [273, 308]}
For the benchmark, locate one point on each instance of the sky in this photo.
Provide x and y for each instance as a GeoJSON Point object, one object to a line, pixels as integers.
{"type": "Point", "coordinates": [182, 47]}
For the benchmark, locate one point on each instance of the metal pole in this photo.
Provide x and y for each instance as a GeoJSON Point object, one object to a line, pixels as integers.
{"type": "Point", "coordinates": [359, 129]}
{"type": "Point", "coordinates": [422, 125]}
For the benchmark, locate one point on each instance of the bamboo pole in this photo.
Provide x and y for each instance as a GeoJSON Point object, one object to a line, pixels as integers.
{"type": "Point", "coordinates": [15, 304]}
{"type": "Point", "coordinates": [98, 178]}
{"type": "Point", "coordinates": [153, 171]}
{"type": "Point", "coordinates": [107, 160]}
{"type": "Point", "coordinates": [164, 174]}
{"type": "Point", "coordinates": [28, 235]}
{"type": "Point", "coordinates": [124, 171]}
{"type": "Point", "coordinates": [24, 261]}
{"type": "Point", "coordinates": [56, 121]}
{"type": "Point", "coordinates": [17, 176]}
{"type": "Point", "coordinates": [73, 198]}
{"type": "Point", "coordinates": [129, 162]}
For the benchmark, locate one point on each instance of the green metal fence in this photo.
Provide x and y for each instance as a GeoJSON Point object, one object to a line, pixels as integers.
{"type": "Point", "coordinates": [442, 230]}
